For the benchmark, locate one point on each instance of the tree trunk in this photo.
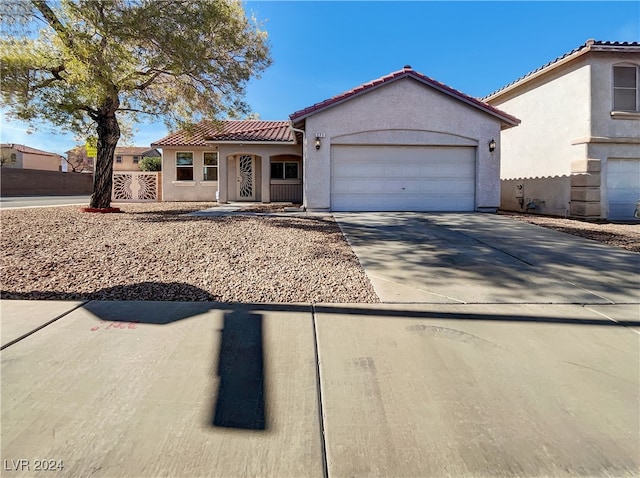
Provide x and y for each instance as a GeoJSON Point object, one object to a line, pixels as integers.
{"type": "Point", "coordinates": [108, 136]}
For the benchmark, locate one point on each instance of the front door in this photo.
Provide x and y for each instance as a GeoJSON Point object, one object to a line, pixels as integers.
{"type": "Point", "coordinates": [245, 178]}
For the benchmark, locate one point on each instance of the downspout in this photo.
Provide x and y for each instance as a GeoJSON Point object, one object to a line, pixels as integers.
{"type": "Point", "coordinates": [304, 163]}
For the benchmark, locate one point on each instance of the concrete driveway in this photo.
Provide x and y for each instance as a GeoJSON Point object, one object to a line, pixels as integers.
{"type": "Point", "coordinates": [523, 359]}
{"type": "Point", "coordinates": [483, 258]}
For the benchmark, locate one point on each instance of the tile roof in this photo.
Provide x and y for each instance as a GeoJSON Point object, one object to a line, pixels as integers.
{"type": "Point", "coordinates": [406, 72]}
{"type": "Point", "coordinates": [230, 131]}
{"type": "Point", "coordinates": [132, 150]}
{"type": "Point", "coordinates": [27, 149]}
{"type": "Point", "coordinates": [589, 45]}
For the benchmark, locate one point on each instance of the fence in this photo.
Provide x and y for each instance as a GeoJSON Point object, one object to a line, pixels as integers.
{"type": "Point", "coordinates": [136, 186]}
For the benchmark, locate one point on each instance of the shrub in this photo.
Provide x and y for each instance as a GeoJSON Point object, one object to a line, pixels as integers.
{"type": "Point", "coordinates": [151, 163]}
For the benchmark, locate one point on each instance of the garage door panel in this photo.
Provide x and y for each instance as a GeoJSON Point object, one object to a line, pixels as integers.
{"type": "Point", "coordinates": [399, 178]}
{"type": "Point", "coordinates": [623, 187]}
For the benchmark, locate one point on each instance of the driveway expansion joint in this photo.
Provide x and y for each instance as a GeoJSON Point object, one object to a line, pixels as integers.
{"type": "Point", "coordinates": [55, 319]}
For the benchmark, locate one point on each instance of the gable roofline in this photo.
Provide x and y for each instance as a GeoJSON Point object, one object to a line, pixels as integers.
{"type": "Point", "coordinates": [589, 46]}
{"type": "Point", "coordinates": [28, 149]}
{"type": "Point", "coordinates": [230, 131]}
{"type": "Point", "coordinates": [406, 72]}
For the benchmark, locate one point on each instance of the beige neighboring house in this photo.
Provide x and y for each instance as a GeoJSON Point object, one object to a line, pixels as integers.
{"type": "Point", "coordinates": [78, 161]}
{"type": "Point", "coordinates": [126, 158]}
{"type": "Point", "coordinates": [24, 157]}
{"type": "Point", "coordinates": [577, 151]}
{"type": "Point", "coordinates": [403, 142]}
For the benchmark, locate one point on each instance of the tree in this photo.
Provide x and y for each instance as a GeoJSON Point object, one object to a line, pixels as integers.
{"type": "Point", "coordinates": [150, 163]}
{"type": "Point", "coordinates": [7, 158]}
{"type": "Point", "coordinates": [96, 60]}
{"type": "Point", "coordinates": [78, 160]}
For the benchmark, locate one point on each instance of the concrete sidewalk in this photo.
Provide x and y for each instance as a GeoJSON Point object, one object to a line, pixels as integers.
{"type": "Point", "coordinates": [138, 389]}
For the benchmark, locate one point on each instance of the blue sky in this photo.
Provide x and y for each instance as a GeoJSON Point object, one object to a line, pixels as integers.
{"type": "Point", "coordinates": [321, 49]}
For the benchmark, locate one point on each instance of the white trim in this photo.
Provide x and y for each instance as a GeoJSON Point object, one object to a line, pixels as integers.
{"type": "Point", "coordinates": [184, 183]}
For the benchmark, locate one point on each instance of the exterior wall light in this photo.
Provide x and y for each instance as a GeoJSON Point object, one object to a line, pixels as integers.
{"type": "Point", "coordinates": [317, 143]}
{"type": "Point", "coordinates": [492, 145]}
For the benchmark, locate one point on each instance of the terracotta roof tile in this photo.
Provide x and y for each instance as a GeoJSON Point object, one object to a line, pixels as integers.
{"type": "Point", "coordinates": [406, 72]}
{"type": "Point", "coordinates": [230, 130]}
{"type": "Point", "coordinates": [132, 150]}
{"type": "Point", "coordinates": [589, 45]}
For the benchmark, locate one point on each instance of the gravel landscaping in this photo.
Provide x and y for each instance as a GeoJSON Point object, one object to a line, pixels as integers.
{"type": "Point", "coordinates": [626, 236]}
{"type": "Point", "coordinates": [154, 252]}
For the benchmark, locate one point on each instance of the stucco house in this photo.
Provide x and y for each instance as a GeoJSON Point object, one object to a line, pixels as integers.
{"type": "Point", "coordinates": [403, 142]}
{"type": "Point", "coordinates": [577, 151]}
{"type": "Point", "coordinates": [19, 156]}
{"type": "Point", "coordinates": [126, 158]}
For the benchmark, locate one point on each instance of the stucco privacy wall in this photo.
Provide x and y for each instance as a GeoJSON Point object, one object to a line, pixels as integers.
{"type": "Point", "coordinates": [403, 112]}
{"type": "Point", "coordinates": [553, 111]}
{"type": "Point", "coordinates": [199, 190]}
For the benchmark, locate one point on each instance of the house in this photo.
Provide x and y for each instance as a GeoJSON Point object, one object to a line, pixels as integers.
{"type": "Point", "coordinates": [577, 151]}
{"type": "Point", "coordinates": [403, 142]}
{"type": "Point", "coordinates": [78, 161]}
{"type": "Point", "coordinates": [126, 158]}
{"type": "Point", "coordinates": [19, 156]}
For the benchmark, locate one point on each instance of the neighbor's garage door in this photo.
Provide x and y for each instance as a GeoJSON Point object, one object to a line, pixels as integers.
{"type": "Point", "coordinates": [623, 187]}
{"type": "Point", "coordinates": [402, 178]}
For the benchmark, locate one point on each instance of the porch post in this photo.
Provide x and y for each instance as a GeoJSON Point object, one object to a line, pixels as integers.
{"type": "Point", "coordinates": [266, 178]}
{"type": "Point", "coordinates": [223, 162]}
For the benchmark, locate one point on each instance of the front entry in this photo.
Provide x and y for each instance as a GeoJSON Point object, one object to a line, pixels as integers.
{"type": "Point", "coordinates": [245, 179]}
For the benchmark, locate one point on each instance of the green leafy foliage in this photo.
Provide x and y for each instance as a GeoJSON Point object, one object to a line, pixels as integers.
{"type": "Point", "coordinates": [83, 64]}
{"type": "Point", "coordinates": [150, 163]}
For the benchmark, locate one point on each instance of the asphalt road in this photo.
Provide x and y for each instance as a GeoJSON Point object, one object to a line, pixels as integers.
{"type": "Point", "coordinates": [43, 201]}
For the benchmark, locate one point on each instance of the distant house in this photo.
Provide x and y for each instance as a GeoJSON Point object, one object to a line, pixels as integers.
{"type": "Point", "coordinates": [19, 156]}
{"type": "Point", "coordinates": [126, 158]}
{"type": "Point", "coordinates": [402, 142]}
{"type": "Point", "coordinates": [577, 150]}
{"type": "Point", "coordinates": [78, 161]}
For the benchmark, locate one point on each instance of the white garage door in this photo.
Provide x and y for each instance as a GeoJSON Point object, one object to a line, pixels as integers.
{"type": "Point", "coordinates": [402, 178]}
{"type": "Point", "coordinates": [623, 187]}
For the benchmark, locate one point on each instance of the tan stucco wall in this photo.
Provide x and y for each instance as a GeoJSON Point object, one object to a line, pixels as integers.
{"type": "Point", "coordinates": [553, 112]}
{"type": "Point", "coordinates": [566, 119]}
{"type": "Point", "coordinates": [403, 112]}
{"type": "Point", "coordinates": [32, 161]}
{"type": "Point", "coordinates": [199, 190]}
{"type": "Point", "coordinates": [127, 163]}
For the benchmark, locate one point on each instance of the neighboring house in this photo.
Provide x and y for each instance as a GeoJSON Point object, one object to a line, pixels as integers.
{"type": "Point", "coordinates": [577, 151]}
{"type": "Point", "coordinates": [78, 161]}
{"type": "Point", "coordinates": [126, 158]}
{"type": "Point", "coordinates": [403, 142]}
{"type": "Point", "coordinates": [20, 156]}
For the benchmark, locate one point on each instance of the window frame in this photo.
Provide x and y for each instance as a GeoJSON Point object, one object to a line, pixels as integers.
{"type": "Point", "coordinates": [136, 159]}
{"type": "Point", "coordinates": [206, 166]}
{"type": "Point", "coordinates": [284, 171]}
{"type": "Point", "coordinates": [119, 159]}
{"type": "Point", "coordinates": [615, 88]}
{"type": "Point", "coordinates": [184, 166]}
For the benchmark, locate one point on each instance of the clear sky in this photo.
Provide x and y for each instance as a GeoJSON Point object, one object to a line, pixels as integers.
{"type": "Point", "coordinates": [321, 49]}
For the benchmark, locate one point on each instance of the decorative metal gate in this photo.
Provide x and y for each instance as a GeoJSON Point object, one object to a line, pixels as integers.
{"type": "Point", "coordinates": [135, 186]}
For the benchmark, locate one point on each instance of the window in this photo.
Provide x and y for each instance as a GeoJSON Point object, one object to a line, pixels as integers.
{"type": "Point", "coordinates": [282, 170]}
{"type": "Point", "coordinates": [136, 159]}
{"type": "Point", "coordinates": [625, 88]}
{"type": "Point", "coordinates": [184, 166]}
{"type": "Point", "coordinates": [210, 170]}
{"type": "Point", "coordinates": [118, 159]}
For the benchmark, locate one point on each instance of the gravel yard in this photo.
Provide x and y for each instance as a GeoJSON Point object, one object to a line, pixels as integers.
{"type": "Point", "coordinates": [153, 252]}
{"type": "Point", "coordinates": [626, 236]}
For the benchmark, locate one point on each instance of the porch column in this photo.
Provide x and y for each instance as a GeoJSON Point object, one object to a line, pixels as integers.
{"type": "Point", "coordinates": [266, 177]}
{"type": "Point", "coordinates": [223, 162]}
